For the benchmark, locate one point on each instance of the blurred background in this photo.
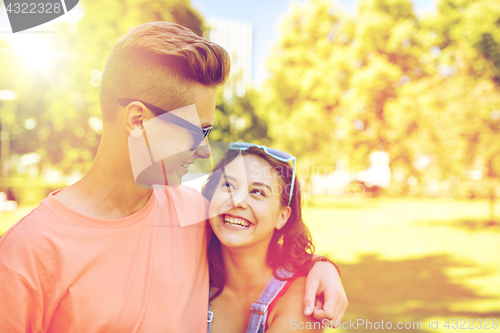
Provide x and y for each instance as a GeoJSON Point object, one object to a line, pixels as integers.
{"type": "Point", "coordinates": [392, 108]}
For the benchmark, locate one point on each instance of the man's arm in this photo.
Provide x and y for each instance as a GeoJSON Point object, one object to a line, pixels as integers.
{"type": "Point", "coordinates": [325, 297]}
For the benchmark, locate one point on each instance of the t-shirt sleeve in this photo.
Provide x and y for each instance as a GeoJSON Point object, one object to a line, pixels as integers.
{"type": "Point", "coordinates": [20, 310]}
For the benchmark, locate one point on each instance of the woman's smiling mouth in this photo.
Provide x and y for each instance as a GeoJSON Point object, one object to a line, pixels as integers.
{"type": "Point", "coordinates": [235, 222]}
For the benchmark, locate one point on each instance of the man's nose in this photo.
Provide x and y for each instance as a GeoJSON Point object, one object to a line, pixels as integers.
{"type": "Point", "coordinates": [203, 150]}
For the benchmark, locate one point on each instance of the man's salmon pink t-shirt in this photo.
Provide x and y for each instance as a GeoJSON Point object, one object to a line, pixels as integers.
{"type": "Point", "coordinates": [61, 271]}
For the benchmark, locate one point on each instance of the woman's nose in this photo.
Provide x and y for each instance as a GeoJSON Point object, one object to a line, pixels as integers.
{"type": "Point", "coordinates": [239, 199]}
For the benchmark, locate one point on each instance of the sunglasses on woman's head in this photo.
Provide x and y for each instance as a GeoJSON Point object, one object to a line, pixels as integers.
{"type": "Point", "coordinates": [199, 134]}
{"type": "Point", "coordinates": [275, 153]}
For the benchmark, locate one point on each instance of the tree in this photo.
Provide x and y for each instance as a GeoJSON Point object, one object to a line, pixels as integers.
{"type": "Point", "coordinates": [332, 77]}
{"type": "Point", "coordinates": [425, 91]}
{"type": "Point", "coordinates": [309, 70]}
{"type": "Point", "coordinates": [57, 114]}
{"type": "Point", "coordinates": [462, 98]}
{"type": "Point", "coordinates": [452, 114]}
{"type": "Point", "coordinates": [237, 120]}
{"type": "Point", "coordinates": [61, 100]}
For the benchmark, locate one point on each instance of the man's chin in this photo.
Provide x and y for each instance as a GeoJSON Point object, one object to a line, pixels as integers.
{"type": "Point", "coordinates": [176, 184]}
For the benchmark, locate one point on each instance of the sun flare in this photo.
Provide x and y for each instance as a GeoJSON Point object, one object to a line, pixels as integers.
{"type": "Point", "coordinates": [36, 52]}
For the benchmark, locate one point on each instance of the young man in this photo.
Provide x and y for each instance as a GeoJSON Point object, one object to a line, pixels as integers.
{"type": "Point", "coordinates": [106, 255]}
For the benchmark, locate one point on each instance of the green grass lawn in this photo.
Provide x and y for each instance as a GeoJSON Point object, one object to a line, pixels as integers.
{"type": "Point", "coordinates": [412, 260]}
{"type": "Point", "coordinates": [405, 260]}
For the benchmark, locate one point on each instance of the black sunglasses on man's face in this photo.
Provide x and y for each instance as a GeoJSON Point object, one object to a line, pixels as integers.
{"type": "Point", "coordinates": [199, 134]}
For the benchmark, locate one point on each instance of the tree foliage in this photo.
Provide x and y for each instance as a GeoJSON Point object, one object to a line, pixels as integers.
{"type": "Point", "coordinates": [61, 99]}
{"type": "Point", "coordinates": [425, 90]}
{"type": "Point", "coordinates": [237, 120]}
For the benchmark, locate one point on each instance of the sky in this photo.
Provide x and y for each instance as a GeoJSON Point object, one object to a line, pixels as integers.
{"type": "Point", "coordinates": [264, 16]}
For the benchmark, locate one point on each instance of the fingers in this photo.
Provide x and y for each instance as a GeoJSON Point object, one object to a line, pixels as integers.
{"type": "Point", "coordinates": [339, 303]}
{"type": "Point", "coordinates": [325, 299]}
{"type": "Point", "coordinates": [342, 305]}
{"type": "Point", "coordinates": [320, 313]}
{"type": "Point", "coordinates": [319, 305]}
{"type": "Point", "coordinates": [330, 312]}
{"type": "Point", "coordinates": [331, 299]}
{"type": "Point", "coordinates": [312, 286]}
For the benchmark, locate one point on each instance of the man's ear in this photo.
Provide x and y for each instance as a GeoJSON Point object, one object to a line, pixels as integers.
{"type": "Point", "coordinates": [283, 217]}
{"type": "Point", "coordinates": [134, 117]}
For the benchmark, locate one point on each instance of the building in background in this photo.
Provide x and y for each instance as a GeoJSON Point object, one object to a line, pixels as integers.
{"type": "Point", "coordinates": [237, 38]}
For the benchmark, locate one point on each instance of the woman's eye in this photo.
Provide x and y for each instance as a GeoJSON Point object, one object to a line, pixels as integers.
{"type": "Point", "coordinates": [260, 192]}
{"type": "Point", "coordinates": [227, 185]}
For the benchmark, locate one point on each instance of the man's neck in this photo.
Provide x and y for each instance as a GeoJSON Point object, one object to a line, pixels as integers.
{"type": "Point", "coordinates": [107, 191]}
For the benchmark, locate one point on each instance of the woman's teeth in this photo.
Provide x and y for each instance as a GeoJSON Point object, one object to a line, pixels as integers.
{"type": "Point", "coordinates": [236, 222]}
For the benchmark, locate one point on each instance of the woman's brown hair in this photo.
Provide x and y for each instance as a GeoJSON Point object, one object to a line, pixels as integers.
{"type": "Point", "coordinates": [291, 247]}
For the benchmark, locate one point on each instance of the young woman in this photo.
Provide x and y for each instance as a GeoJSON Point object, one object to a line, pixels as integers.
{"type": "Point", "coordinates": [261, 246]}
